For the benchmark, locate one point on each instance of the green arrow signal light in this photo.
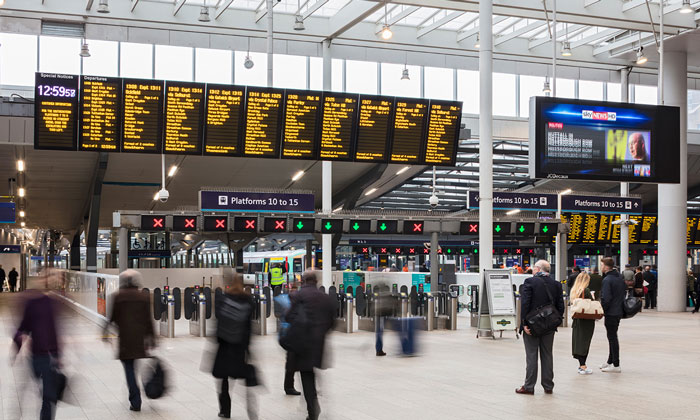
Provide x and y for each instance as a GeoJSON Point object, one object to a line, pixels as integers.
{"type": "Point", "coordinates": [462, 251]}
{"type": "Point", "coordinates": [449, 250]}
{"type": "Point", "coordinates": [300, 225]}
{"type": "Point", "coordinates": [476, 250]}
{"type": "Point", "coordinates": [545, 229]}
{"type": "Point", "coordinates": [328, 226]}
{"type": "Point", "coordinates": [382, 227]}
{"type": "Point", "coordinates": [498, 228]}
{"type": "Point", "coordinates": [522, 229]}
{"type": "Point", "coordinates": [356, 226]}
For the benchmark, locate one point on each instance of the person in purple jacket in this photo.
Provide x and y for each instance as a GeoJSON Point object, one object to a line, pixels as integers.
{"type": "Point", "coordinates": [39, 322]}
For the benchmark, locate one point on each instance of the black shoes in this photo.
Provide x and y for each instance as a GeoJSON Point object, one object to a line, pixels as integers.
{"type": "Point", "coordinates": [224, 416]}
{"type": "Point", "coordinates": [292, 391]}
{"type": "Point", "coordinates": [132, 408]}
{"type": "Point", "coordinates": [381, 353]}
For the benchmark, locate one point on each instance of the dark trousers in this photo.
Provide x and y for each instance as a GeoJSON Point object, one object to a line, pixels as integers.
{"type": "Point", "coordinates": [651, 299]}
{"type": "Point", "coordinates": [308, 382]}
{"type": "Point", "coordinates": [41, 365]}
{"type": "Point", "coordinates": [225, 401]}
{"type": "Point", "coordinates": [581, 359]}
{"type": "Point", "coordinates": [379, 332]}
{"type": "Point", "coordinates": [288, 375]}
{"type": "Point", "coordinates": [134, 392]}
{"type": "Point", "coordinates": [542, 345]}
{"type": "Point", "coordinates": [13, 286]}
{"type": "Point", "coordinates": [612, 323]}
{"type": "Point", "coordinates": [408, 326]}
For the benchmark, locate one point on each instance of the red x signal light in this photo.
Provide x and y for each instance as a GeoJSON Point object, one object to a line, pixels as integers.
{"type": "Point", "coordinates": [517, 251]}
{"type": "Point", "coordinates": [220, 223]}
{"type": "Point", "coordinates": [411, 250]}
{"type": "Point", "coordinates": [473, 228]}
{"type": "Point", "coordinates": [382, 250]}
{"type": "Point", "coordinates": [397, 250]}
{"type": "Point", "coordinates": [158, 222]}
{"type": "Point", "coordinates": [418, 227]}
{"type": "Point", "coordinates": [280, 225]}
{"type": "Point", "coordinates": [190, 223]}
{"type": "Point", "coordinates": [250, 224]}
{"type": "Point", "coordinates": [426, 251]}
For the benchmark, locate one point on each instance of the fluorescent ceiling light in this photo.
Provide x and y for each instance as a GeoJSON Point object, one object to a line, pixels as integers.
{"type": "Point", "coordinates": [20, 163]}
{"type": "Point", "coordinates": [386, 33]}
{"type": "Point", "coordinates": [402, 170]}
{"type": "Point", "coordinates": [338, 209]}
{"type": "Point", "coordinates": [172, 170]}
{"type": "Point", "coordinates": [371, 191]}
{"type": "Point", "coordinates": [686, 8]}
{"type": "Point", "coordinates": [21, 192]}
{"type": "Point", "coordinates": [565, 192]}
{"type": "Point", "coordinates": [512, 212]}
{"type": "Point", "coordinates": [297, 176]}
{"type": "Point", "coordinates": [21, 213]}
{"type": "Point", "coordinates": [155, 197]}
{"type": "Point", "coordinates": [23, 224]}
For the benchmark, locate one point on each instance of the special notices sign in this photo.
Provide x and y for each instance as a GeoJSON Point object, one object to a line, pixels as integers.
{"type": "Point", "coordinates": [56, 97]}
{"type": "Point", "coordinates": [260, 202]}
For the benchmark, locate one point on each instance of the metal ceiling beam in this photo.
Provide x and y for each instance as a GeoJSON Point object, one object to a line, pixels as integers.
{"type": "Point", "coordinates": [224, 6]}
{"type": "Point", "coordinates": [592, 39]}
{"type": "Point", "coordinates": [632, 39]}
{"type": "Point", "coordinates": [88, 6]}
{"type": "Point", "coordinates": [475, 30]}
{"type": "Point", "coordinates": [439, 23]}
{"type": "Point", "coordinates": [406, 12]}
{"type": "Point", "coordinates": [353, 13]}
{"type": "Point", "coordinates": [178, 6]}
{"type": "Point", "coordinates": [632, 4]}
{"type": "Point", "coordinates": [313, 8]}
{"type": "Point", "coordinates": [134, 3]}
{"type": "Point", "coordinates": [260, 14]}
{"type": "Point", "coordinates": [588, 3]}
{"type": "Point", "coordinates": [429, 18]}
{"type": "Point", "coordinates": [516, 33]}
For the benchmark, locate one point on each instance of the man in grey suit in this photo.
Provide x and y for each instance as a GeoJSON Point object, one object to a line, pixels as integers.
{"type": "Point", "coordinates": [536, 292]}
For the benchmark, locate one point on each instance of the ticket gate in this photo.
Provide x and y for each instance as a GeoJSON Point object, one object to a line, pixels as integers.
{"type": "Point", "coordinates": [198, 306]}
{"type": "Point", "coordinates": [473, 306]}
{"type": "Point", "coordinates": [422, 305]}
{"type": "Point", "coordinates": [262, 310]}
{"type": "Point", "coordinates": [167, 307]}
{"type": "Point", "coordinates": [343, 304]}
{"type": "Point", "coordinates": [364, 308]}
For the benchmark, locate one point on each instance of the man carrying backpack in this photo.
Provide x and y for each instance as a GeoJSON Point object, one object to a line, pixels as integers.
{"type": "Point", "coordinates": [310, 317]}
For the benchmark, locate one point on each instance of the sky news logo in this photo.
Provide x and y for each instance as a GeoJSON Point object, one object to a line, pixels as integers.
{"type": "Point", "coordinates": [599, 116]}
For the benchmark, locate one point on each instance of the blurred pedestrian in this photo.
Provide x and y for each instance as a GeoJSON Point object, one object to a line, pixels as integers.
{"type": "Point", "coordinates": [2, 278]}
{"type": "Point", "coordinates": [582, 329]}
{"type": "Point", "coordinates": [596, 283]}
{"type": "Point", "coordinates": [697, 295]}
{"type": "Point", "coordinates": [383, 308]}
{"type": "Point", "coordinates": [132, 316]}
{"type": "Point", "coordinates": [638, 282]}
{"type": "Point", "coordinates": [612, 297]}
{"type": "Point", "coordinates": [311, 316]}
{"type": "Point", "coordinates": [12, 279]}
{"type": "Point", "coordinates": [690, 290]}
{"type": "Point", "coordinates": [234, 314]}
{"type": "Point", "coordinates": [39, 323]}
{"type": "Point", "coordinates": [536, 292]}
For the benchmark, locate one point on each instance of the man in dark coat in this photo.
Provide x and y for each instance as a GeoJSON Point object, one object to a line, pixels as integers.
{"type": "Point", "coordinates": [132, 316]}
{"type": "Point", "coordinates": [536, 292]}
{"type": "Point", "coordinates": [649, 277]}
{"type": "Point", "coordinates": [612, 297]}
{"type": "Point", "coordinates": [12, 279]}
{"type": "Point", "coordinates": [596, 283]}
{"type": "Point", "coordinates": [320, 315]}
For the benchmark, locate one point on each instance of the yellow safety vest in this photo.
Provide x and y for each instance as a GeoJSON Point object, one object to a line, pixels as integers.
{"type": "Point", "coordinates": [276, 276]}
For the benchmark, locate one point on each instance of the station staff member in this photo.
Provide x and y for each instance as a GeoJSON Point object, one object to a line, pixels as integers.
{"type": "Point", "coordinates": [276, 276]}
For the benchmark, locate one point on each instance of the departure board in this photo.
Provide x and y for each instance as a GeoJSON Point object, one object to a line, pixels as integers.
{"type": "Point", "coordinates": [373, 129]}
{"type": "Point", "coordinates": [647, 230]}
{"type": "Point", "coordinates": [302, 114]}
{"type": "Point", "coordinates": [263, 122]}
{"type": "Point", "coordinates": [575, 221]}
{"type": "Point", "coordinates": [408, 143]}
{"type": "Point", "coordinates": [55, 111]}
{"type": "Point", "coordinates": [224, 120]}
{"type": "Point", "coordinates": [615, 230]}
{"type": "Point", "coordinates": [604, 228]}
{"type": "Point", "coordinates": [100, 103]}
{"type": "Point", "coordinates": [696, 236]}
{"type": "Point", "coordinates": [589, 233]}
{"type": "Point", "coordinates": [634, 230]}
{"type": "Point", "coordinates": [142, 110]}
{"type": "Point", "coordinates": [443, 133]}
{"type": "Point", "coordinates": [184, 110]}
{"type": "Point", "coordinates": [337, 126]}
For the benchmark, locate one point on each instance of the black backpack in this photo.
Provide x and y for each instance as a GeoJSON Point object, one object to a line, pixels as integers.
{"type": "Point", "coordinates": [233, 318]}
{"type": "Point", "coordinates": [544, 319]}
{"type": "Point", "coordinates": [296, 337]}
{"type": "Point", "coordinates": [155, 386]}
{"type": "Point", "coordinates": [631, 305]}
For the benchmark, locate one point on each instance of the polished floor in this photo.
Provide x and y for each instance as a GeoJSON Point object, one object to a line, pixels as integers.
{"type": "Point", "coordinates": [456, 376]}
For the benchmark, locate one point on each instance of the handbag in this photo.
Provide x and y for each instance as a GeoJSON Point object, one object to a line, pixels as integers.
{"type": "Point", "coordinates": [544, 319]}
{"type": "Point", "coordinates": [582, 308]}
{"type": "Point", "coordinates": [631, 305]}
{"type": "Point", "coordinates": [296, 337]}
{"type": "Point", "coordinates": [155, 386]}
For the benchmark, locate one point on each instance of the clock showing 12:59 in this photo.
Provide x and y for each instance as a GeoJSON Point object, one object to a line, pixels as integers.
{"type": "Point", "coordinates": [56, 91]}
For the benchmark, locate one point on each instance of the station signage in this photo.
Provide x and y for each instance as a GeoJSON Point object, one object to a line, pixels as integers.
{"type": "Point", "coordinates": [516, 200]}
{"type": "Point", "coordinates": [261, 202]}
{"type": "Point", "coordinates": [10, 249]}
{"type": "Point", "coordinates": [7, 213]}
{"type": "Point", "coordinates": [592, 204]}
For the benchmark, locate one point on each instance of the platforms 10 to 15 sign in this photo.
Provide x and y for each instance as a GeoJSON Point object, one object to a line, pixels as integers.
{"type": "Point", "coordinates": [109, 114]}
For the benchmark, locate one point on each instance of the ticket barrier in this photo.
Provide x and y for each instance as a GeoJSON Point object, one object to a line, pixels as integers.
{"type": "Point", "coordinates": [167, 307]}
{"type": "Point", "coordinates": [364, 308]}
{"type": "Point", "coordinates": [473, 306]}
{"type": "Point", "coordinates": [343, 303]}
{"type": "Point", "coordinates": [565, 322]}
{"type": "Point", "coordinates": [198, 304]}
{"type": "Point", "coordinates": [422, 305]}
{"type": "Point", "coordinates": [447, 307]}
{"type": "Point", "coordinates": [262, 310]}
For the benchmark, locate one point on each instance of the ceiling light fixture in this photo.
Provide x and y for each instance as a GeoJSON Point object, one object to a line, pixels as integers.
{"type": "Point", "coordinates": [23, 224]}
{"type": "Point", "coordinates": [404, 74]}
{"type": "Point", "coordinates": [338, 209]}
{"type": "Point", "coordinates": [546, 89]}
{"type": "Point", "coordinates": [512, 212]}
{"type": "Point", "coordinates": [84, 50]}
{"type": "Point", "coordinates": [477, 44]}
{"type": "Point", "coordinates": [297, 176]}
{"type": "Point", "coordinates": [20, 162]}
{"type": "Point", "coordinates": [103, 7]}
{"type": "Point", "coordinates": [686, 8]}
{"type": "Point", "coordinates": [298, 18]}
{"type": "Point", "coordinates": [566, 49]}
{"type": "Point", "coordinates": [155, 197]}
{"type": "Point", "coordinates": [641, 58]}
{"type": "Point", "coordinates": [565, 192]}
{"type": "Point", "coordinates": [172, 171]}
{"type": "Point", "coordinates": [21, 192]}
{"type": "Point", "coordinates": [21, 213]}
{"type": "Point", "coordinates": [386, 30]}
{"type": "Point", "coordinates": [204, 14]}
{"type": "Point", "coordinates": [370, 192]}
{"type": "Point", "coordinates": [402, 170]}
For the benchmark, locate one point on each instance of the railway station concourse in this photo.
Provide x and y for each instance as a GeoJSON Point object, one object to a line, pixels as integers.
{"type": "Point", "coordinates": [190, 139]}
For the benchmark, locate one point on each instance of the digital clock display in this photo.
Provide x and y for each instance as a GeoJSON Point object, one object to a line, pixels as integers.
{"type": "Point", "coordinates": [56, 111]}
{"type": "Point", "coordinates": [56, 91]}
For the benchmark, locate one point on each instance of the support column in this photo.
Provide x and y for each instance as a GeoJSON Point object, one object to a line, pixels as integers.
{"type": "Point", "coordinates": [485, 135]}
{"type": "Point", "coordinates": [75, 252]}
{"type": "Point", "coordinates": [624, 186]}
{"type": "Point", "coordinates": [270, 41]}
{"type": "Point", "coordinates": [327, 183]}
{"type": "Point", "coordinates": [123, 249]}
{"type": "Point", "coordinates": [52, 249]}
{"type": "Point", "coordinates": [434, 262]}
{"type": "Point", "coordinates": [309, 254]}
{"type": "Point", "coordinates": [673, 198]}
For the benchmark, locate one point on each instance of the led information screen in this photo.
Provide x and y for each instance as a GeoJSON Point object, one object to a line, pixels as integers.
{"type": "Point", "coordinates": [55, 111]}
{"type": "Point", "coordinates": [100, 99]}
{"type": "Point", "coordinates": [301, 117]}
{"type": "Point", "coordinates": [604, 141]}
{"type": "Point", "coordinates": [303, 225]}
{"type": "Point", "coordinates": [245, 224]}
{"type": "Point", "coordinates": [359, 226]}
{"type": "Point", "coordinates": [184, 109]}
{"type": "Point", "coordinates": [7, 213]}
{"type": "Point", "coordinates": [647, 230]}
{"type": "Point", "coordinates": [263, 122]}
{"type": "Point", "coordinates": [387, 226]}
{"type": "Point", "coordinates": [524, 229]}
{"type": "Point", "coordinates": [337, 126]}
{"type": "Point", "coordinates": [443, 133]}
{"type": "Point", "coordinates": [152, 222]}
{"type": "Point", "coordinates": [413, 227]}
{"type": "Point", "coordinates": [374, 124]}
{"type": "Point", "coordinates": [275, 224]}
{"type": "Point", "coordinates": [184, 223]}
{"type": "Point", "coordinates": [604, 229]}
{"type": "Point", "coordinates": [501, 228]}
{"type": "Point", "coordinates": [142, 129]}
{"type": "Point", "coordinates": [408, 143]}
{"type": "Point", "coordinates": [468, 228]}
{"type": "Point", "coordinates": [215, 223]}
{"type": "Point", "coordinates": [224, 120]}
{"type": "Point", "coordinates": [331, 226]}
{"type": "Point", "coordinates": [589, 233]}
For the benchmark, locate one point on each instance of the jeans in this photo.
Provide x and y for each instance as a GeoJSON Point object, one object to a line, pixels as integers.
{"type": "Point", "coordinates": [379, 329]}
{"type": "Point", "coordinates": [134, 393]}
{"type": "Point", "coordinates": [42, 365]}
{"type": "Point", "coordinates": [651, 299]}
{"type": "Point", "coordinates": [407, 335]}
{"type": "Point", "coordinates": [542, 345]}
{"type": "Point", "coordinates": [308, 382]}
{"type": "Point", "coordinates": [612, 323]}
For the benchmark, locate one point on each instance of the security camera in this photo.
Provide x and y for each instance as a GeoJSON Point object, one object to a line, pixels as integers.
{"type": "Point", "coordinates": [433, 200]}
{"type": "Point", "coordinates": [163, 195]}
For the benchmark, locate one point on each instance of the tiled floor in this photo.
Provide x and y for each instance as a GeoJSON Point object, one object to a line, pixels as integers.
{"type": "Point", "coordinates": [456, 377]}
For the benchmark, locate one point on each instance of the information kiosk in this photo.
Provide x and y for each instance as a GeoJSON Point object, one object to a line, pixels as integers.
{"type": "Point", "coordinates": [497, 304]}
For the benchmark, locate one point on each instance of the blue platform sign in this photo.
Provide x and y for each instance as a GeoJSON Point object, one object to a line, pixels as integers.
{"type": "Point", "coordinates": [10, 249]}
{"type": "Point", "coordinates": [592, 204]}
{"type": "Point", "coordinates": [516, 200]}
{"type": "Point", "coordinates": [7, 213]}
{"type": "Point", "coordinates": [261, 202]}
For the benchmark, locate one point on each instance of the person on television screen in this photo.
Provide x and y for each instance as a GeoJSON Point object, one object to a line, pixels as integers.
{"type": "Point", "coordinates": [637, 147]}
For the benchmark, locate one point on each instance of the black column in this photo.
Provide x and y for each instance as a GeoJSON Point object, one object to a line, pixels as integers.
{"type": "Point", "coordinates": [52, 248]}
{"type": "Point", "coordinates": [309, 253]}
{"type": "Point", "coordinates": [75, 252]}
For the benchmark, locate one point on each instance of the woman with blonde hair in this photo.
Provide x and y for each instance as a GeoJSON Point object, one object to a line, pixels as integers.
{"type": "Point", "coordinates": [582, 328]}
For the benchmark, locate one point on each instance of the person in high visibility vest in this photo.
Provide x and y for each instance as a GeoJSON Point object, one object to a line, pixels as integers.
{"type": "Point", "coordinates": [276, 276]}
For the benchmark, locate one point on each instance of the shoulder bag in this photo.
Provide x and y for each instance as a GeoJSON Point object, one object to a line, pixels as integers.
{"type": "Point", "coordinates": [631, 305]}
{"type": "Point", "coordinates": [544, 319]}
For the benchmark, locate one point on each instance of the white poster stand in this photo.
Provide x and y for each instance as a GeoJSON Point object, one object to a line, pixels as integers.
{"type": "Point", "coordinates": [497, 304]}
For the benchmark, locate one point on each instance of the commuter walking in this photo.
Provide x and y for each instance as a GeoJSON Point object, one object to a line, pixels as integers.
{"type": "Point", "coordinates": [39, 323]}
{"type": "Point", "coordinates": [596, 283]}
{"type": "Point", "coordinates": [234, 314]}
{"type": "Point", "coordinates": [382, 308]}
{"type": "Point", "coordinates": [132, 316]}
{"type": "Point", "coordinates": [690, 291]}
{"type": "Point", "coordinates": [12, 279]}
{"type": "Point", "coordinates": [650, 278]}
{"type": "Point", "coordinates": [310, 317]}
{"type": "Point", "coordinates": [628, 276]}
{"type": "Point", "coordinates": [2, 278]}
{"type": "Point", "coordinates": [582, 329]}
{"type": "Point", "coordinates": [536, 292]}
{"type": "Point", "coordinates": [612, 299]}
